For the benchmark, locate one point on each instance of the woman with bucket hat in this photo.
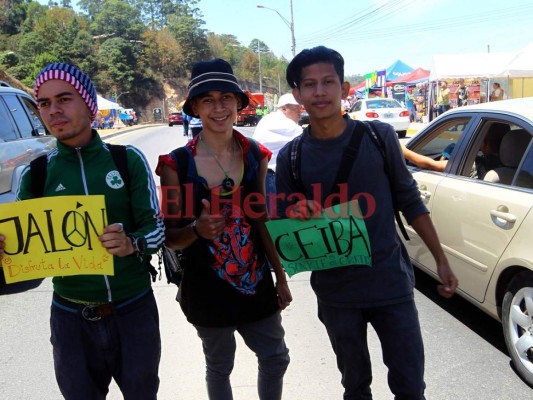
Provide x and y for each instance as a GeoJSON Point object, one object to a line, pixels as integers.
{"type": "Point", "coordinates": [227, 285]}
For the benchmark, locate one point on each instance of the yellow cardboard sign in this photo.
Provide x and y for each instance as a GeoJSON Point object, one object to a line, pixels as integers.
{"type": "Point", "coordinates": [54, 236]}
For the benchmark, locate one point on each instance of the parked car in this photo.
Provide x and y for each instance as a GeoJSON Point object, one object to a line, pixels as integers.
{"type": "Point", "coordinates": [23, 137]}
{"type": "Point", "coordinates": [175, 119]}
{"type": "Point", "coordinates": [485, 223]}
{"type": "Point", "coordinates": [385, 110]}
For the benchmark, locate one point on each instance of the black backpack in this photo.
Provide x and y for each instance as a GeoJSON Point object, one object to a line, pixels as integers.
{"type": "Point", "coordinates": [295, 150]}
{"type": "Point", "coordinates": [38, 173]}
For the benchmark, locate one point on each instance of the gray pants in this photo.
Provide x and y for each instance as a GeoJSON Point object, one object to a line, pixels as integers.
{"type": "Point", "coordinates": [265, 338]}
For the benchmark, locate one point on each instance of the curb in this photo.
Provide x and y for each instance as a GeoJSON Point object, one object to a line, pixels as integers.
{"type": "Point", "coordinates": [109, 133]}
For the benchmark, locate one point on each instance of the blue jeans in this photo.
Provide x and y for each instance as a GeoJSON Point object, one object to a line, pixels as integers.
{"type": "Point", "coordinates": [442, 109]}
{"type": "Point", "coordinates": [265, 338]}
{"type": "Point", "coordinates": [398, 329]}
{"type": "Point", "coordinates": [125, 347]}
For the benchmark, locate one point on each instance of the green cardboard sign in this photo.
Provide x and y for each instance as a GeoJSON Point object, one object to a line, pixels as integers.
{"type": "Point", "coordinates": [337, 238]}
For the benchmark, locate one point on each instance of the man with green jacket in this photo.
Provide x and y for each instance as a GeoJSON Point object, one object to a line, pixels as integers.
{"type": "Point", "coordinates": [102, 327]}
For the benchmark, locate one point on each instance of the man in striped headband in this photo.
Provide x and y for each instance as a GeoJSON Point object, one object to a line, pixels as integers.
{"type": "Point", "coordinates": [102, 327]}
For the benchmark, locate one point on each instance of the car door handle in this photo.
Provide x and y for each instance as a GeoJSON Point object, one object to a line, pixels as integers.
{"type": "Point", "coordinates": [424, 193]}
{"type": "Point", "coordinates": [502, 212]}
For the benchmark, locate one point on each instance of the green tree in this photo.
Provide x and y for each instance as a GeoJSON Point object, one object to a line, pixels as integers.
{"type": "Point", "coordinates": [118, 18]}
{"type": "Point", "coordinates": [186, 26]}
{"type": "Point", "coordinates": [116, 66]}
{"type": "Point", "coordinates": [91, 7]}
{"type": "Point", "coordinates": [163, 52]}
{"type": "Point", "coordinates": [12, 14]}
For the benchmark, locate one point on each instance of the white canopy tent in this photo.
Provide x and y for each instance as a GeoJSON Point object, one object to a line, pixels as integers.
{"type": "Point", "coordinates": [104, 104]}
{"type": "Point", "coordinates": [521, 65]}
{"type": "Point", "coordinates": [469, 65]}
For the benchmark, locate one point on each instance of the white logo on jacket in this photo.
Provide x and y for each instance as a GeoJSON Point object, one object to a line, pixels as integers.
{"type": "Point", "coordinates": [114, 180]}
{"type": "Point", "coordinates": [60, 187]}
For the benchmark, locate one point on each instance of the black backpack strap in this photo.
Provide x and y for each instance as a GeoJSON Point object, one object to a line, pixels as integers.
{"type": "Point", "coordinates": [380, 144]}
{"type": "Point", "coordinates": [120, 158]}
{"type": "Point", "coordinates": [348, 157]}
{"type": "Point", "coordinates": [38, 173]}
{"type": "Point", "coordinates": [295, 163]}
{"type": "Point", "coordinates": [181, 158]}
{"type": "Point", "coordinates": [345, 166]}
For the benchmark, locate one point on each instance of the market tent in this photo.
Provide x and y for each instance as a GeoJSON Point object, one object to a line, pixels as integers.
{"type": "Point", "coordinates": [417, 76]}
{"type": "Point", "coordinates": [104, 104]}
{"type": "Point", "coordinates": [357, 88]}
{"type": "Point", "coordinates": [397, 70]}
{"type": "Point", "coordinates": [521, 65]}
{"type": "Point", "coordinates": [469, 65]}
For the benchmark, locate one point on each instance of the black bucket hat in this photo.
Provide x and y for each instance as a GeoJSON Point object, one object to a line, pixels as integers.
{"type": "Point", "coordinates": [213, 75]}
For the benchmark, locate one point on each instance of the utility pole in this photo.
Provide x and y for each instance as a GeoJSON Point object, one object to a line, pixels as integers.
{"type": "Point", "coordinates": [260, 73]}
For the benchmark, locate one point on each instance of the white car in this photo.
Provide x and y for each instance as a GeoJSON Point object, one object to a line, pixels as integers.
{"type": "Point", "coordinates": [484, 219]}
{"type": "Point", "coordinates": [389, 111]}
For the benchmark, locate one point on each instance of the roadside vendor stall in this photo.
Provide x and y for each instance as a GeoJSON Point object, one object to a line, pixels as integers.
{"type": "Point", "coordinates": [519, 73]}
{"type": "Point", "coordinates": [478, 70]}
{"type": "Point", "coordinates": [108, 114]}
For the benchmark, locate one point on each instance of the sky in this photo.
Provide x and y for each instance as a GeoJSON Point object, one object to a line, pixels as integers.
{"type": "Point", "coordinates": [373, 34]}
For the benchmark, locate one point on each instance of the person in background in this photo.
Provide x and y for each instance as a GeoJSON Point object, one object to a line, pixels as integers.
{"type": "Point", "coordinates": [410, 104]}
{"type": "Point", "coordinates": [259, 113]}
{"type": "Point", "coordinates": [195, 124]}
{"type": "Point", "coordinates": [462, 93]}
{"type": "Point", "coordinates": [345, 105]}
{"type": "Point", "coordinates": [497, 92]}
{"type": "Point", "coordinates": [185, 118]}
{"type": "Point", "coordinates": [351, 296]}
{"type": "Point", "coordinates": [487, 158]}
{"type": "Point", "coordinates": [102, 327]}
{"type": "Point", "coordinates": [227, 284]}
{"type": "Point", "coordinates": [443, 98]}
{"type": "Point", "coordinates": [275, 130]}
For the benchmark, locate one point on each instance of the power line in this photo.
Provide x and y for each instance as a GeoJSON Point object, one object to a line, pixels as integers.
{"type": "Point", "coordinates": [362, 18]}
{"type": "Point", "coordinates": [350, 31]}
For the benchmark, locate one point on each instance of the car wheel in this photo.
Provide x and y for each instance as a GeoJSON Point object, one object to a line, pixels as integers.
{"type": "Point", "coordinates": [517, 320]}
{"type": "Point", "coordinates": [402, 134]}
{"type": "Point", "coordinates": [169, 124]}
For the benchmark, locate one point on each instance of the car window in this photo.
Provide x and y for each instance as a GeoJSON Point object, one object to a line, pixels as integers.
{"type": "Point", "coordinates": [382, 103]}
{"type": "Point", "coordinates": [443, 138]}
{"type": "Point", "coordinates": [524, 178]}
{"type": "Point", "coordinates": [19, 115]}
{"type": "Point", "coordinates": [38, 127]}
{"type": "Point", "coordinates": [356, 106]}
{"type": "Point", "coordinates": [483, 153]}
{"type": "Point", "coordinates": [7, 130]}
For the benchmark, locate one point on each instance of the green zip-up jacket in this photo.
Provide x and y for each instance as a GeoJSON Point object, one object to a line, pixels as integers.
{"type": "Point", "coordinates": [90, 170]}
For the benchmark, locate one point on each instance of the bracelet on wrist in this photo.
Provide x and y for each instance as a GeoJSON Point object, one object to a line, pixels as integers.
{"type": "Point", "coordinates": [195, 230]}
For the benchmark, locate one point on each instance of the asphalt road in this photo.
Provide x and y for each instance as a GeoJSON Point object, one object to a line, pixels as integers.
{"type": "Point", "coordinates": [465, 351]}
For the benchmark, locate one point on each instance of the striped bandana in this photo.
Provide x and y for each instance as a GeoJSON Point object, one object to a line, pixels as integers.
{"type": "Point", "coordinates": [71, 74]}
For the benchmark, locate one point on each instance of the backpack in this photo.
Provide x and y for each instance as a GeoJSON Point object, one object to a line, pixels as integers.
{"type": "Point", "coordinates": [175, 261]}
{"type": "Point", "coordinates": [38, 173]}
{"type": "Point", "coordinates": [295, 151]}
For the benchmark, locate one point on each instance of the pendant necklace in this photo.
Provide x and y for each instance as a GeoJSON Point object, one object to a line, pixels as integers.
{"type": "Point", "coordinates": [227, 183]}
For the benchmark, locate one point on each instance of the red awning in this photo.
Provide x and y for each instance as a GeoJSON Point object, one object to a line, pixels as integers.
{"type": "Point", "coordinates": [417, 75]}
